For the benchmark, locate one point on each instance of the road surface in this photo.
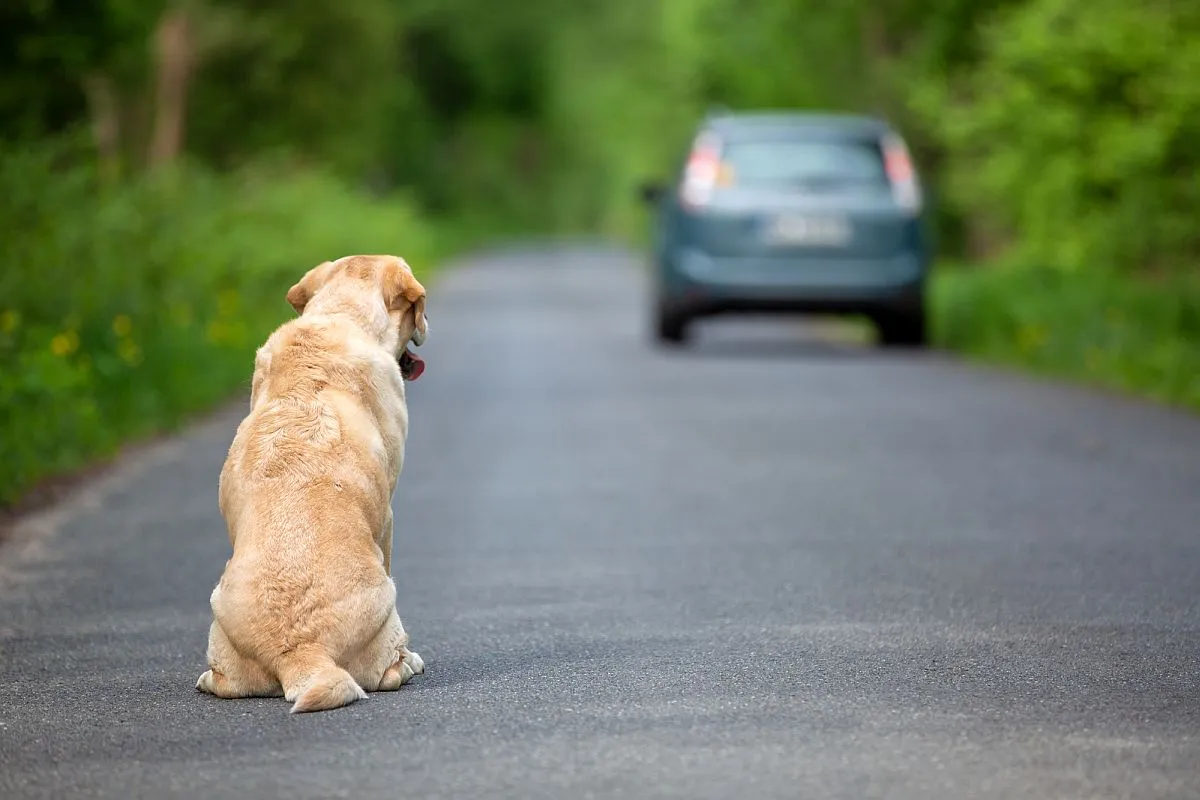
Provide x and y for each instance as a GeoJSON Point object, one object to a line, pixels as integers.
{"type": "Point", "coordinates": [767, 567]}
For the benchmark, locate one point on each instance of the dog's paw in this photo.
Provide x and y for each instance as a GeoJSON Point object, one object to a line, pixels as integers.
{"type": "Point", "coordinates": [402, 672]}
{"type": "Point", "coordinates": [205, 683]}
{"type": "Point", "coordinates": [395, 676]}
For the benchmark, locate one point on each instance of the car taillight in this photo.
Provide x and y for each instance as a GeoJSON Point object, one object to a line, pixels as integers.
{"type": "Point", "coordinates": [902, 175]}
{"type": "Point", "coordinates": [702, 171]}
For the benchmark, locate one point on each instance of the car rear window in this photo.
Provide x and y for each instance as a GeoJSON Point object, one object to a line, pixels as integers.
{"type": "Point", "coordinates": [800, 161]}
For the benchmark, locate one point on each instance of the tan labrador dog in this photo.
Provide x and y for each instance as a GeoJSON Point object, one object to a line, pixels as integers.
{"type": "Point", "coordinates": [306, 607]}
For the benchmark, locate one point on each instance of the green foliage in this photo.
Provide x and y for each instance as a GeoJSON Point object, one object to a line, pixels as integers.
{"type": "Point", "coordinates": [1102, 327]}
{"type": "Point", "coordinates": [126, 308]}
{"type": "Point", "coordinates": [1076, 133]}
{"type": "Point", "coordinates": [1031, 117]}
{"type": "Point", "coordinates": [49, 47]}
{"type": "Point", "coordinates": [319, 80]}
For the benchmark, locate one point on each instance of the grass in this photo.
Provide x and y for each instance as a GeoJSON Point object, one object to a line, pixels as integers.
{"type": "Point", "coordinates": [1102, 328]}
{"type": "Point", "coordinates": [126, 309]}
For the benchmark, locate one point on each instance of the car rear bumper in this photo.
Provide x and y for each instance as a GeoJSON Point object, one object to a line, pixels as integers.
{"type": "Point", "coordinates": [708, 284]}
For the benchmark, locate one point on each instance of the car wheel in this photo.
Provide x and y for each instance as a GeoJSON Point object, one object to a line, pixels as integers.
{"type": "Point", "coordinates": [906, 329]}
{"type": "Point", "coordinates": [671, 326]}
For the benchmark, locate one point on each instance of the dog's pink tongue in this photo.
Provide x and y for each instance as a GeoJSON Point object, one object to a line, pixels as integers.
{"type": "Point", "coordinates": [418, 365]}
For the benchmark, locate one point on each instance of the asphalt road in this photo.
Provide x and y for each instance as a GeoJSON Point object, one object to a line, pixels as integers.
{"type": "Point", "coordinates": [768, 567]}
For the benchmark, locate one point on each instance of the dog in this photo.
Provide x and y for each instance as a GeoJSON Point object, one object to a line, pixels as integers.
{"type": "Point", "coordinates": [306, 605]}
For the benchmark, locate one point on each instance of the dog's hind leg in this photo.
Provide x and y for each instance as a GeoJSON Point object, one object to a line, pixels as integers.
{"type": "Point", "coordinates": [386, 663]}
{"type": "Point", "coordinates": [231, 675]}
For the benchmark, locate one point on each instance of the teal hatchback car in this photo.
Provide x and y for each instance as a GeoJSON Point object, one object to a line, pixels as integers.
{"type": "Point", "coordinates": [793, 213]}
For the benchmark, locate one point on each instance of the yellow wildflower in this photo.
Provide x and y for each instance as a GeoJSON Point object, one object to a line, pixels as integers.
{"type": "Point", "coordinates": [64, 343]}
{"type": "Point", "coordinates": [122, 325]}
{"type": "Point", "coordinates": [215, 332]}
{"type": "Point", "coordinates": [1031, 338]}
{"type": "Point", "coordinates": [227, 302]}
{"type": "Point", "coordinates": [129, 352]}
{"type": "Point", "coordinates": [9, 321]}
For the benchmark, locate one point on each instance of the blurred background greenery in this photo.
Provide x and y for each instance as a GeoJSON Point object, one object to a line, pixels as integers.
{"type": "Point", "coordinates": [167, 169]}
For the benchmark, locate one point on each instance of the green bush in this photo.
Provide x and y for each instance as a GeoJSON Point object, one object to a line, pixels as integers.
{"type": "Point", "coordinates": [1105, 328]}
{"type": "Point", "coordinates": [1075, 133]}
{"type": "Point", "coordinates": [125, 308]}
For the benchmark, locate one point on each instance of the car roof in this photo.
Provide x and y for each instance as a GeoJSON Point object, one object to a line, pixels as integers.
{"type": "Point", "coordinates": [737, 122]}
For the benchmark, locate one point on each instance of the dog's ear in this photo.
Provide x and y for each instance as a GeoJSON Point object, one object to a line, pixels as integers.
{"type": "Point", "coordinates": [306, 287]}
{"type": "Point", "coordinates": [419, 320]}
{"type": "Point", "coordinates": [400, 286]}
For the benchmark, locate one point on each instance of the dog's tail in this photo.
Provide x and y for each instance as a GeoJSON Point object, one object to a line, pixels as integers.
{"type": "Point", "coordinates": [326, 686]}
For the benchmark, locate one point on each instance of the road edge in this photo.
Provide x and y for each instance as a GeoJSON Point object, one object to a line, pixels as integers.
{"type": "Point", "coordinates": [86, 489]}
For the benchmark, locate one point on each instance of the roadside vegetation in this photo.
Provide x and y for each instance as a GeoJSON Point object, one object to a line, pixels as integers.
{"type": "Point", "coordinates": [167, 168]}
{"type": "Point", "coordinates": [141, 303]}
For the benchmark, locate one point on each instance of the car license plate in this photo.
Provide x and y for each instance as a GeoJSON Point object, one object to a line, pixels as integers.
{"type": "Point", "coordinates": [809, 231]}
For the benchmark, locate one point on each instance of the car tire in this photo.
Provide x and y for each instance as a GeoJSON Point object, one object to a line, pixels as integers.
{"type": "Point", "coordinates": [670, 326]}
{"type": "Point", "coordinates": [906, 329]}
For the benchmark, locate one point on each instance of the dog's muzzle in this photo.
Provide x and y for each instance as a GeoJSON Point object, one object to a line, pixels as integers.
{"type": "Point", "coordinates": [411, 364]}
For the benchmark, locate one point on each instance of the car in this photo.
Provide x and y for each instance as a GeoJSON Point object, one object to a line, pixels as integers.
{"type": "Point", "coordinates": [792, 212]}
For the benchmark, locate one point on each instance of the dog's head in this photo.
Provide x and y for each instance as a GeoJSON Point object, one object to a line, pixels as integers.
{"type": "Point", "coordinates": [381, 290]}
